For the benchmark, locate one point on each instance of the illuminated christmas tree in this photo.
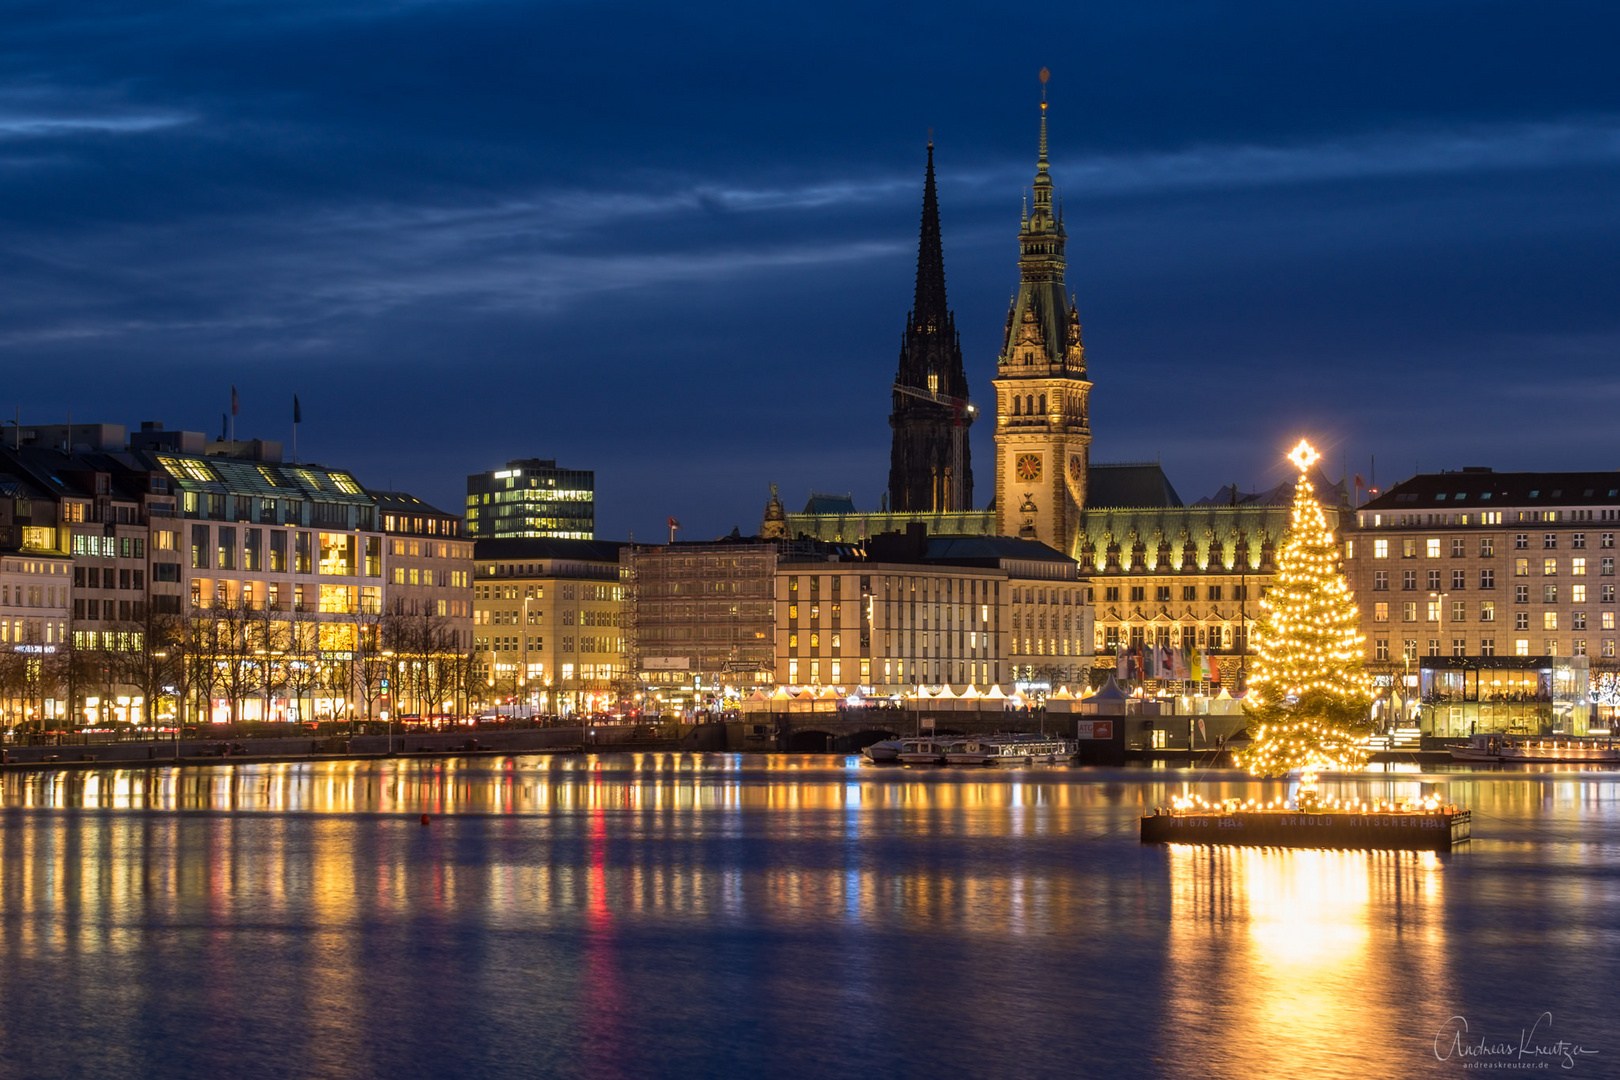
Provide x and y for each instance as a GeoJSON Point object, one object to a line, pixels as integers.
{"type": "Point", "coordinates": [1308, 698]}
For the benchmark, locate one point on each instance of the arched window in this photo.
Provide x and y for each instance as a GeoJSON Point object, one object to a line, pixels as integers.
{"type": "Point", "coordinates": [1017, 404]}
{"type": "Point", "coordinates": [1029, 405]}
{"type": "Point", "coordinates": [1043, 404]}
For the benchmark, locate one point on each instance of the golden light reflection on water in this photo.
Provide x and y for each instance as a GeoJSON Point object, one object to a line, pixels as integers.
{"type": "Point", "coordinates": [286, 836]}
{"type": "Point", "coordinates": [522, 786]}
{"type": "Point", "coordinates": [1255, 963]}
{"type": "Point", "coordinates": [1288, 963]}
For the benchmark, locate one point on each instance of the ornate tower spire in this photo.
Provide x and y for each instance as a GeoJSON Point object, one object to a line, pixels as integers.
{"type": "Point", "coordinates": [930, 466]}
{"type": "Point", "coordinates": [1043, 433]}
{"type": "Point", "coordinates": [929, 308]}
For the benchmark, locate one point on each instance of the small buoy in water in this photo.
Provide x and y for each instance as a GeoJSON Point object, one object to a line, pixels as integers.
{"type": "Point", "coordinates": [424, 819]}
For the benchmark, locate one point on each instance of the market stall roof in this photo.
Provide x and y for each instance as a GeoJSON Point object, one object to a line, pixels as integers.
{"type": "Point", "coordinates": [1110, 692]}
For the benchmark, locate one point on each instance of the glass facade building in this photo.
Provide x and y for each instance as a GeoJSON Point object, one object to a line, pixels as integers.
{"type": "Point", "coordinates": [1531, 695]}
{"type": "Point", "coordinates": [532, 498]}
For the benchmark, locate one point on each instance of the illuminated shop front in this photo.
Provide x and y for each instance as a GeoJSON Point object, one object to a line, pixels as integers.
{"type": "Point", "coordinates": [1534, 695]}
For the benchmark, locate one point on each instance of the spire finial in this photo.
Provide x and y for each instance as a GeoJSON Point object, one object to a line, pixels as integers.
{"type": "Point", "coordinates": [930, 138]}
{"type": "Point", "coordinates": [1045, 78]}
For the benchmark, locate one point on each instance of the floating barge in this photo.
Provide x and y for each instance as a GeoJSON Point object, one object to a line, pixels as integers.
{"type": "Point", "coordinates": [1384, 830]}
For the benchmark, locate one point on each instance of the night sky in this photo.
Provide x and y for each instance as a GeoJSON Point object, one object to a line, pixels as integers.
{"type": "Point", "coordinates": [676, 243]}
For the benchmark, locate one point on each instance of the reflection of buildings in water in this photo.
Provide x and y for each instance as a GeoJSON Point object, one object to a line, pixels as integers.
{"type": "Point", "coordinates": [1289, 963]}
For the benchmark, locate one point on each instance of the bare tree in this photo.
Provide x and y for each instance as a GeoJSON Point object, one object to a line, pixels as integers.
{"type": "Point", "coordinates": [369, 670]}
{"type": "Point", "coordinates": [302, 653]}
{"type": "Point", "coordinates": [13, 684]}
{"type": "Point", "coordinates": [203, 674]}
{"type": "Point", "coordinates": [234, 652]}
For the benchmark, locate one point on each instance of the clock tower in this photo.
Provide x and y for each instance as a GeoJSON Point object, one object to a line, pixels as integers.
{"type": "Point", "coordinates": [1043, 430]}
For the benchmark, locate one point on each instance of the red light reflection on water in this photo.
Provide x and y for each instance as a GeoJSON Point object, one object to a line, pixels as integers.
{"type": "Point", "coordinates": [600, 996]}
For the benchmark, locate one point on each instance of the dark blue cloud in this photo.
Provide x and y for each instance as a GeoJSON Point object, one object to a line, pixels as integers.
{"type": "Point", "coordinates": [675, 243]}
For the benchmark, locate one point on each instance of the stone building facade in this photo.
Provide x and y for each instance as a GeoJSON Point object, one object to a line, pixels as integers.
{"type": "Point", "coordinates": [1476, 563]}
{"type": "Point", "coordinates": [549, 619]}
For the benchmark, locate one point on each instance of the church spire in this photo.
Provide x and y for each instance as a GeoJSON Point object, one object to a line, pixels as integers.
{"type": "Point", "coordinates": [930, 463]}
{"type": "Point", "coordinates": [929, 307]}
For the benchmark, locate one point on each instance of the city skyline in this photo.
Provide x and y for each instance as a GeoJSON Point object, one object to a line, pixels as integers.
{"type": "Point", "coordinates": [1259, 249]}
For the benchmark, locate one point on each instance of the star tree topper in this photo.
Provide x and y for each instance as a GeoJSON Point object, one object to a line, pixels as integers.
{"type": "Point", "coordinates": [1304, 456]}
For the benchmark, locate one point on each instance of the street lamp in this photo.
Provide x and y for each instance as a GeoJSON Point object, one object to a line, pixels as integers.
{"type": "Point", "coordinates": [160, 656]}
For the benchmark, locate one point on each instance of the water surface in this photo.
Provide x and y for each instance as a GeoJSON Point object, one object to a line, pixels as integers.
{"type": "Point", "coordinates": [706, 915]}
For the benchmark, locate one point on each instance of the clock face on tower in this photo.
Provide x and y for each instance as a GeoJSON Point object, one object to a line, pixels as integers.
{"type": "Point", "coordinates": [1029, 467]}
{"type": "Point", "coordinates": [1077, 468]}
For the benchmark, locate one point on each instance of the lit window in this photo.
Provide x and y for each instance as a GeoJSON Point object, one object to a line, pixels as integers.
{"type": "Point", "coordinates": [1521, 647]}
{"type": "Point", "coordinates": [1577, 567]}
{"type": "Point", "coordinates": [186, 469]}
{"type": "Point", "coordinates": [1380, 549]}
{"type": "Point", "coordinates": [1432, 547]}
{"type": "Point", "coordinates": [1487, 611]}
{"type": "Point", "coordinates": [1549, 620]}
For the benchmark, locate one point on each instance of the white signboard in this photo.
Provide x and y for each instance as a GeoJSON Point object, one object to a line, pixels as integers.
{"type": "Point", "coordinates": [666, 663]}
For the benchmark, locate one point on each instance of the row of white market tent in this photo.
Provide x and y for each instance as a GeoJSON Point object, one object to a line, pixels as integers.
{"type": "Point", "coordinates": [948, 699]}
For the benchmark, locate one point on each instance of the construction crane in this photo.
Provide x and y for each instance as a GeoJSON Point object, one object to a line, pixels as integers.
{"type": "Point", "coordinates": [959, 407]}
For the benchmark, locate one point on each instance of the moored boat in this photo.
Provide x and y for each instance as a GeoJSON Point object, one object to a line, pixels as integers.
{"type": "Point", "coordinates": [1479, 748]}
{"type": "Point", "coordinates": [1009, 749]}
{"type": "Point", "coordinates": [920, 751]}
{"type": "Point", "coordinates": [883, 752]}
{"type": "Point", "coordinates": [1565, 748]}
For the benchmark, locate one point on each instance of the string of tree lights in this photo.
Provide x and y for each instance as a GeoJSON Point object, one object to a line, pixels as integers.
{"type": "Point", "coordinates": [1309, 700]}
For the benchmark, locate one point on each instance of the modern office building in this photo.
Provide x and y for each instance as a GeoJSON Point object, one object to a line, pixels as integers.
{"type": "Point", "coordinates": [532, 498]}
